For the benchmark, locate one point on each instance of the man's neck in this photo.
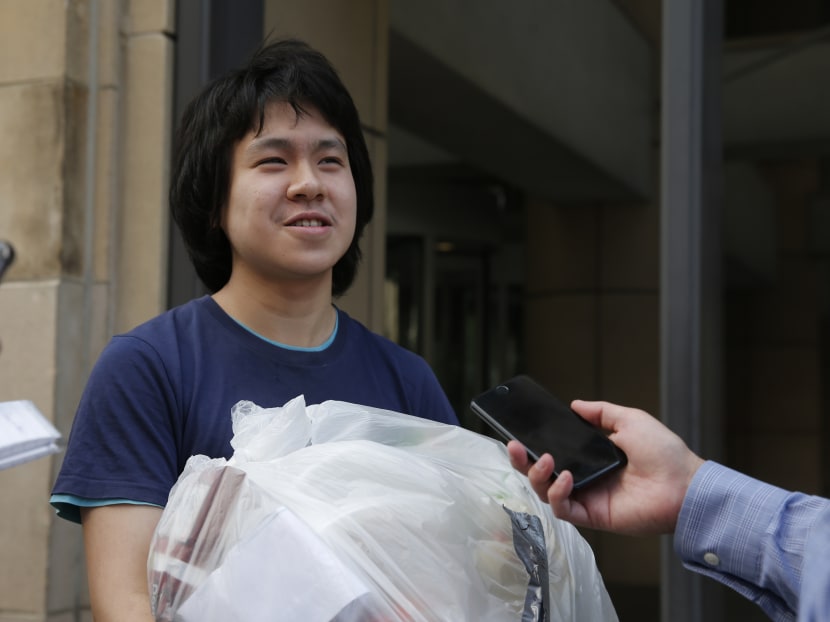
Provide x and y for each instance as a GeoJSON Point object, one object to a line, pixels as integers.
{"type": "Point", "coordinates": [296, 315]}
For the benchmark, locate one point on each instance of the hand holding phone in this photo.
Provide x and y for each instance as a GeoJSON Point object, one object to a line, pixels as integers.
{"type": "Point", "coordinates": [523, 410]}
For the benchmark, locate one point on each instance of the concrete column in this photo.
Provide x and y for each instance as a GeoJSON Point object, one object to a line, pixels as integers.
{"type": "Point", "coordinates": [691, 251]}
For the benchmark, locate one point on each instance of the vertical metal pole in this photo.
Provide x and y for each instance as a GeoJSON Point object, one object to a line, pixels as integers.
{"type": "Point", "coordinates": [690, 288]}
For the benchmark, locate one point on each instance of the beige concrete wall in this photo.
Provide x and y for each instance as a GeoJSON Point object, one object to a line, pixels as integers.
{"type": "Point", "coordinates": [85, 101]}
{"type": "Point", "coordinates": [35, 115]}
{"type": "Point", "coordinates": [27, 371]}
{"type": "Point", "coordinates": [354, 37]}
{"type": "Point", "coordinates": [141, 232]}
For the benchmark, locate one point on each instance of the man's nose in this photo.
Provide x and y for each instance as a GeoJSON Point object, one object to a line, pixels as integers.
{"type": "Point", "coordinates": [305, 183]}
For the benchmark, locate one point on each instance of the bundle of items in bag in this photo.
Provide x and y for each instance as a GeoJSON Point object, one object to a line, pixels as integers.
{"type": "Point", "coordinates": [342, 512]}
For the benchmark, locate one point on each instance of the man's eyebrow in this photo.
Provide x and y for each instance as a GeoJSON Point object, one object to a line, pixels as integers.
{"type": "Point", "coordinates": [274, 142]}
{"type": "Point", "coordinates": [330, 143]}
{"type": "Point", "coordinates": [266, 143]}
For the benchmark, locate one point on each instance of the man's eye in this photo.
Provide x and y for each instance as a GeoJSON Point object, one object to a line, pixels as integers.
{"type": "Point", "coordinates": [332, 160]}
{"type": "Point", "coordinates": [273, 160]}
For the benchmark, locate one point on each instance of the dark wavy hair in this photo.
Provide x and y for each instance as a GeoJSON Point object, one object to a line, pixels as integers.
{"type": "Point", "coordinates": [228, 108]}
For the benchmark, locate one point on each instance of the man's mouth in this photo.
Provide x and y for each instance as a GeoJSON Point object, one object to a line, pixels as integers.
{"type": "Point", "coordinates": [307, 222]}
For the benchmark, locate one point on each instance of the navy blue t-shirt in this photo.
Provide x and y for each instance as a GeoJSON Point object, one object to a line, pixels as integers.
{"type": "Point", "coordinates": [164, 391]}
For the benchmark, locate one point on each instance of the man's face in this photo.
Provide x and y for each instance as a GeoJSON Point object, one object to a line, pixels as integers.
{"type": "Point", "coordinates": [292, 203]}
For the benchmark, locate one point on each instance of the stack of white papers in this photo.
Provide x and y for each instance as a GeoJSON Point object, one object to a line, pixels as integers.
{"type": "Point", "coordinates": [280, 573]}
{"type": "Point", "coordinates": [25, 434]}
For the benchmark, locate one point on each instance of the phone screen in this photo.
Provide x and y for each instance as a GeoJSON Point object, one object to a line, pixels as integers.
{"type": "Point", "coordinates": [522, 409]}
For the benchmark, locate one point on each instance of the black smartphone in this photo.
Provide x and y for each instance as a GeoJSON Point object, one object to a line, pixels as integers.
{"type": "Point", "coordinates": [523, 410]}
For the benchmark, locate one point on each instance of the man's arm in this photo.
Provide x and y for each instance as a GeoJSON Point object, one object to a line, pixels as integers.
{"type": "Point", "coordinates": [767, 543]}
{"type": "Point", "coordinates": [753, 537]}
{"type": "Point", "coordinates": [117, 543]}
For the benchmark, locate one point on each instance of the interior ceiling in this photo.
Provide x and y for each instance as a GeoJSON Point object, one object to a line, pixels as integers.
{"type": "Point", "coordinates": [446, 113]}
{"type": "Point", "coordinates": [443, 127]}
{"type": "Point", "coordinates": [745, 21]}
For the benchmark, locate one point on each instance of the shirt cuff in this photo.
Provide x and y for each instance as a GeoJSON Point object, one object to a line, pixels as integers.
{"type": "Point", "coordinates": [724, 518]}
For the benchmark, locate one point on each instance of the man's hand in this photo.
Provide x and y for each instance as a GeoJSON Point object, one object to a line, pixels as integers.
{"type": "Point", "coordinates": [642, 498]}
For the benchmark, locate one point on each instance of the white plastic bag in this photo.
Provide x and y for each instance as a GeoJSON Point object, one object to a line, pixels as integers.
{"type": "Point", "coordinates": [415, 521]}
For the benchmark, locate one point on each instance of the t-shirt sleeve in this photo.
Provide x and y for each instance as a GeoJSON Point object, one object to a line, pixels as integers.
{"type": "Point", "coordinates": [432, 401]}
{"type": "Point", "coordinates": [123, 442]}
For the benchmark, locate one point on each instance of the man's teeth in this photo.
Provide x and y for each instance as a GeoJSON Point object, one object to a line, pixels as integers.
{"type": "Point", "coordinates": [313, 222]}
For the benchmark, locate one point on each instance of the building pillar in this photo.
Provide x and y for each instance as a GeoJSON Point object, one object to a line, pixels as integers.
{"type": "Point", "coordinates": [691, 253]}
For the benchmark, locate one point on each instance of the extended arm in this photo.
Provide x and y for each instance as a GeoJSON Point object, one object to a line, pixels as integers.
{"type": "Point", "coordinates": [117, 543]}
{"type": "Point", "coordinates": [769, 544]}
{"type": "Point", "coordinates": [757, 539]}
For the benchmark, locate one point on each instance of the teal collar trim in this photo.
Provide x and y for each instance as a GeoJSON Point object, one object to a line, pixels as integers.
{"type": "Point", "coordinates": [285, 346]}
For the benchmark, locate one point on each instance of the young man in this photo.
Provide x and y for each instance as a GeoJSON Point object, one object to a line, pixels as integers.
{"type": "Point", "coordinates": [770, 545]}
{"type": "Point", "coordinates": [271, 189]}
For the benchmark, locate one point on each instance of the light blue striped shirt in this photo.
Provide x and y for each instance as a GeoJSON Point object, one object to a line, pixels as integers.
{"type": "Point", "coordinates": [769, 544]}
